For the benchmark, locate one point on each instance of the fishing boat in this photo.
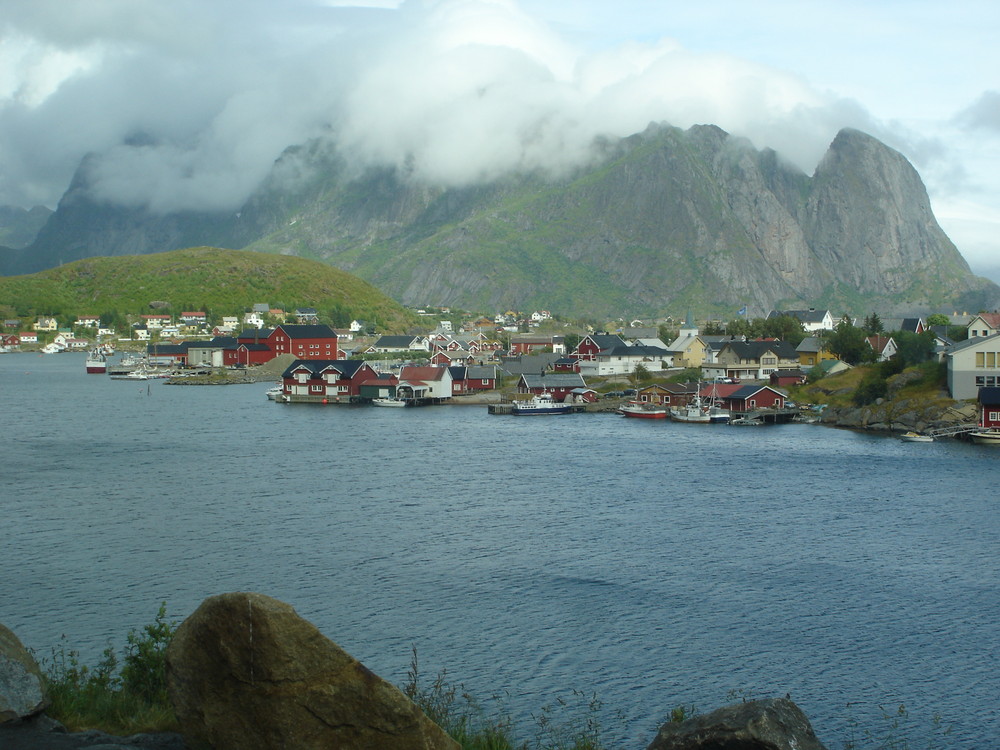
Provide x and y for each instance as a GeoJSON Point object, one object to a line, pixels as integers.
{"type": "Point", "coordinates": [97, 362]}
{"type": "Point", "coordinates": [643, 410]}
{"type": "Point", "coordinates": [915, 437]}
{"type": "Point", "coordinates": [541, 403]}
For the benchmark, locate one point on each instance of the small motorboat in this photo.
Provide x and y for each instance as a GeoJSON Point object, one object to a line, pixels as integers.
{"type": "Point", "coordinates": [915, 437]}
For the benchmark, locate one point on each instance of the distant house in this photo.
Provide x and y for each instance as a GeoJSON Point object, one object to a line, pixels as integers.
{"type": "Point", "coordinates": [984, 325]}
{"type": "Point", "coordinates": [559, 384]}
{"type": "Point", "coordinates": [566, 364]}
{"type": "Point", "coordinates": [593, 344]}
{"type": "Point", "coordinates": [167, 354]}
{"type": "Point", "coordinates": [751, 360]}
{"type": "Point", "coordinates": [11, 340]}
{"type": "Point", "coordinates": [424, 382]}
{"type": "Point", "coordinates": [193, 318]}
{"type": "Point", "coordinates": [28, 337]}
{"type": "Point", "coordinates": [667, 394]}
{"type": "Point", "coordinates": [399, 345]}
{"type": "Point", "coordinates": [480, 378]}
{"type": "Point", "coordinates": [688, 350]}
{"type": "Point", "coordinates": [526, 343]}
{"type": "Point", "coordinates": [316, 341]}
{"type": "Point", "coordinates": [748, 398]}
{"type": "Point", "coordinates": [156, 321]}
{"type": "Point", "coordinates": [989, 407]}
{"type": "Point", "coordinates": [785, 378]}
{"type": "Point", "coordinates": [973, 364]}
{"type": "Point", "coordinates": [210, 353]}
{"type": "Point", "coordinates": [326, 381]}
{"type": "Point", "coordinates": [884, 346]}
{"type": "Point", "coordinates": [910, 325]}
{"type": "Point", "coordinates": [812, 350]}
{"type": "Point", "coordinates": [306, 315]}
{"type": "Point", "coordinates": [811, 319]}
{"type": "Point", "coordinates": [46, 324]}
{"type": "Point", "coordinates": [622, 359]}
{"type": "Point", "coordinates": [88, 321]}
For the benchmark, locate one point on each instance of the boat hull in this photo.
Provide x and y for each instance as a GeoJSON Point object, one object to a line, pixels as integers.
{"type": "Point", "coordinates": [390, 402]}
{"type": "Point", "coordinates": [641, 413]}
{"type": "Point", "coordinates": [534, 411]}
{"type": "Point", "coordinates": [986, 437]}
{"type": "Point", "coordinates": [98, 368]}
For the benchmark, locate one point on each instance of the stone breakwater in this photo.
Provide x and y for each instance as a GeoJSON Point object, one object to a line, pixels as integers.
{"type": "Point", "coordinates": [902, 415]}
{"type": "Point", "coordinates": [245, 671]}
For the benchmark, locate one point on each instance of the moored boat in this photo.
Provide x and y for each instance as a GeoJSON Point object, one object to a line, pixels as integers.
{"type": "Point", "coordinates": [643, 410]}
{"type": "Point", "coordinates": [986, 436]}
{"type": "Point", "coordinates": [97, 362]}
{"type": "Point", "coordinates": [391, 402]}
{"type": "Point", "coordinates": [915, 437]}
{"type": "Point", "coordinates": [541, 403]}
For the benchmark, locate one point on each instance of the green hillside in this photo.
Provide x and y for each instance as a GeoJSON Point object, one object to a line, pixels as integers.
{"type": "Point", "coordinates": [222, 282]}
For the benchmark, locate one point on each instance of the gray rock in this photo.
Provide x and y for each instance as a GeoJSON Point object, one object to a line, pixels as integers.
{"type": "Point", "coordinates": [772, 724]}
{"type": "Point", "coordinates": [22, 690]}
{"type": "Point", "coordinates": [245, 672]}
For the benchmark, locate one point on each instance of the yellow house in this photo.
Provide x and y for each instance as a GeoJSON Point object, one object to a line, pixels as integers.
{"type": "Point", "coordinates": [688, 351]}
{"type": "Point", "coordinates": [812, 351]}
{"type": "Point", "coordinates": [46, 324]}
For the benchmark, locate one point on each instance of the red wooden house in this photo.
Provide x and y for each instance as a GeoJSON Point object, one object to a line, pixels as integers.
{"type": "Point", "coordinates": [326, 381]}
{"type": "Point", "coordinates": [989, 407]}
{"type": "Point", "coordinates": [317, 341]}
{"type": "Point", "coordinates": [747, 398]}
{"type": "Point", "coordinates": [594, 343]}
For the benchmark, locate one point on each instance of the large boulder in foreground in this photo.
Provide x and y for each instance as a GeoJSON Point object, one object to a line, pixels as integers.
{"type": "Point", "coordinates": [22, 691]}
{"type": "Point", "coordinates": [772, 724]}
{"type": "Point", "coordinates": [245, 672]}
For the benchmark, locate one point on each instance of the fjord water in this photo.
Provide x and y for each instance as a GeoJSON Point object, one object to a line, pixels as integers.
{"type": "Point", "coordinates": [652, 564]}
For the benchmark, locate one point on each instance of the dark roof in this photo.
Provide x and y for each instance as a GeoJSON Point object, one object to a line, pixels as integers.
{"type": "Point", "coordinates": [554, 380]}
{"type": "Point", "coordinates": [623, 350]}
{"type": "Point", "coordinates": [346, 367]}
{"type": "Point", "coordinates": [604, 340]}
{"type": "Point", "coordinates": [309, 331]}
{"type": "Point", "coordinates": [796, 373]}
{"type": "Point", "coordinates": [481, 372]}
{"type": "Point", "coordinates": [749, 390]}
{"type": "Point", "coordinates": [753, 350]}
{"type": "Point", "coordinates": [458, 372]}
{"type": "Point", "coordinates": [219, 342]}
{"type": "Point", "coordinates": [161, 349]}
{"type": "Point", "coordinates": [394, 342]}
{"type": "Point", "coordinates": [989, 396]}
{"type": "Point", "coordinates": [255, 333]}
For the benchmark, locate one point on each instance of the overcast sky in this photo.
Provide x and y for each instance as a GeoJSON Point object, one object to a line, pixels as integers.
{"type": "Point", "coordinates": [186, 103]}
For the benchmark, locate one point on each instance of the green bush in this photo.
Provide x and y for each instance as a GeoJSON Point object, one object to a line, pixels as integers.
{"type": "Point", "coordinates": [120, 701]}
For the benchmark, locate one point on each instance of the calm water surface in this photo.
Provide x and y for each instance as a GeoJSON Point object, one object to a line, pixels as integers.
{"type": "Point", "coordinates": [651, 564]}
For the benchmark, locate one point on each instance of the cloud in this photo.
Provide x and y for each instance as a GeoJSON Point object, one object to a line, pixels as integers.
{"type": "Point", "coordinates": [983, 114]}
{"type": "Point", "coordinates": [186, 104]}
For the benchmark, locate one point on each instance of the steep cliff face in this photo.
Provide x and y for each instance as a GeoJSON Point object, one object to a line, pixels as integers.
{"type": "Point", "coordinates": [665, 220]}
{"type": "Point", "coordinates": [868, 214]}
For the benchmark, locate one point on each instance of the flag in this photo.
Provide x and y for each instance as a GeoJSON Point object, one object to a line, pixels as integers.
{"type": "Point", "coordinates": [742, 310]}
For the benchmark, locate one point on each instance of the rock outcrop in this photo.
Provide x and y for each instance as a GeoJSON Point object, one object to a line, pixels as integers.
{"type": "Point", "coordinates": [772, 724]}
{"type": "Point", "coordinates": [660, 221]}
{"type": "Point", "coordinates": [244, 671]}
{"type": "Point", "coordinates": [21, 688]}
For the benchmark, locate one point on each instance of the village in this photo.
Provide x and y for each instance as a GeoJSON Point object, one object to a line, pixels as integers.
{"type": "Point", "coordinates": [497, 361]}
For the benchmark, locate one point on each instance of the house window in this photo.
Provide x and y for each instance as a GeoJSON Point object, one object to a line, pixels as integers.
{"type": "Point", "coordinates": [991, 359]}
{"type": "Point", "coordinates": [980, 381]}
{"type": "Point", "coordinates": [995, 416]}
{"type": "Point", "coordinates": [980, 359]}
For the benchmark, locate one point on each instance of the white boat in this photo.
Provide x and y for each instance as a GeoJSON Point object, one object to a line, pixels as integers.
{"type": "Point", "coordinates": [700, 411]}
{"type": "Point", "coordinates": [275, 391]}
{"type": "Point", "coordinates": [986, 436]}
{"type": "Point", "coordinates": [746, 422]}
{"type": "Point", "coordinates": [397, 402]}
{"type": "Point", "coordinates": [915, 437]}
{"type": "Point", "coordinates": [52, 348]}
{"type": "Point", "coordinates": [140, 374]}
{"type": "Point", "coordinates": [540, 403]}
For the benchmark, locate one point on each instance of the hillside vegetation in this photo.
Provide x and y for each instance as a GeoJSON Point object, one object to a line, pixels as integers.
{"type": "Point", "coordinates": [223, 282]}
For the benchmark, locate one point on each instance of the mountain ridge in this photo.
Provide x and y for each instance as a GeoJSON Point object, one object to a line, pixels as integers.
{"type": "Point", "coordinates": [664, 221]}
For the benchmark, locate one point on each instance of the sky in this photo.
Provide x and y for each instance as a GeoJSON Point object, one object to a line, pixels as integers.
{"type": "Point", "coordinates": [186, 104]}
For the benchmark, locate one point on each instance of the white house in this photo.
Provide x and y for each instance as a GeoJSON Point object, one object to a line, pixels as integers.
{"type": "Point", "coordinates": [811, 319]}
{"type": "Point", "coordinates": [983, 325]}
{"type": "Point", "coordinates": [973, 364]}
{"type": "Point", "coordinates": [253, 319]}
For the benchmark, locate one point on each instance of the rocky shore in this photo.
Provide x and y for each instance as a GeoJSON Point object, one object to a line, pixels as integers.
{"type": "Point", "coordinates": [245, 671]}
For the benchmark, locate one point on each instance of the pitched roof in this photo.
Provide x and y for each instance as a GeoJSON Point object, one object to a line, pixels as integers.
{"type": "Point", "coordinates": [554, 380]}
{"type": "Point", "coordinates": [989, 396]}
{"type": "Point", "coordinates": [346, 367]}
{"type": "Point", "coordinates": [394, 342]}
{"type": "Point", "coordinates": [308, 331]}
{"type": "Point", "coordinates": [805, 316]}
{"type": "Point", "coordinates": [754, 350]}
{"type": "Point", "coordinates": [421, 372]}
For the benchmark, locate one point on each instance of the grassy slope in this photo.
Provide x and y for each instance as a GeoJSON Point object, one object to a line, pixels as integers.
{"type": "Point", "coordinates": [223, 281]}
